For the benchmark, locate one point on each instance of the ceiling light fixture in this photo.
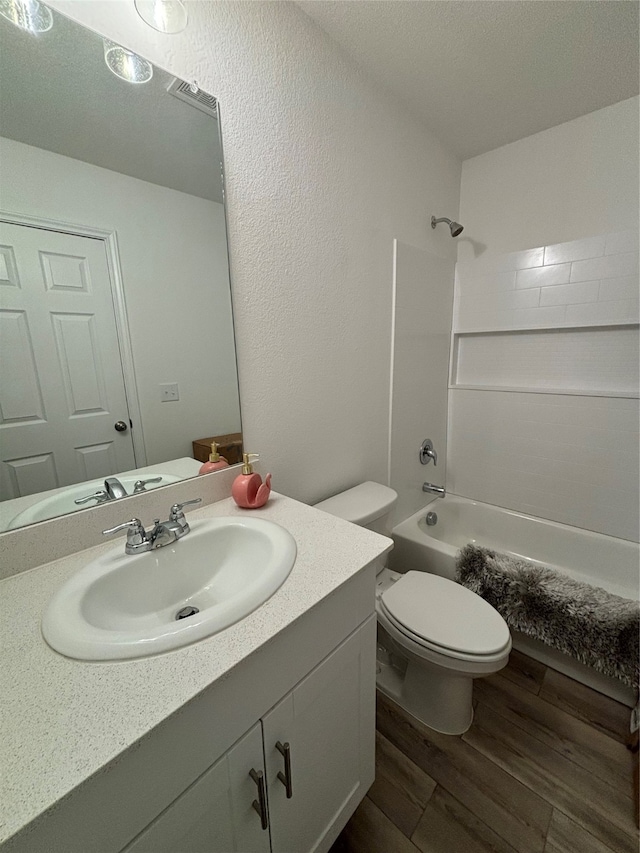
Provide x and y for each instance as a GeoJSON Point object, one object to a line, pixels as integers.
{"type": "Point", "coordinates": [29, 15]}
{"type": "Point", "coordinates": [125, 64]}
{"type": "Point", "coordinates": [165, 16]}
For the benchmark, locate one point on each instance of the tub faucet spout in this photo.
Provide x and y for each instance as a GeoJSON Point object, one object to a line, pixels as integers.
{"type": "Point", "coordinates": [436, 490]}
{"type": "Point", "coordinates": [114, 489]}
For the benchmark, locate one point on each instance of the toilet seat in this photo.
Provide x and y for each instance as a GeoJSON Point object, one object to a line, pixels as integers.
{"type": "Point", "coordinates": [444, 617]}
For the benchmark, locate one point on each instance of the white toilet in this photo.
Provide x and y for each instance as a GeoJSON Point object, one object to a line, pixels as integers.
{"type": "Point", "coordinates": [436, 636]}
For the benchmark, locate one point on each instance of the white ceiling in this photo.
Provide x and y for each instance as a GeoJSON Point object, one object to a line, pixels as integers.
{"type": "Point", "coordinates": [58, 94]}
{"type": "Point", "coordinates": [483, 73]}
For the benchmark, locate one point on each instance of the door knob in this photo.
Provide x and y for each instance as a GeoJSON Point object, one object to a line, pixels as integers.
{"type": "Point", "coordinates": [120, 426]}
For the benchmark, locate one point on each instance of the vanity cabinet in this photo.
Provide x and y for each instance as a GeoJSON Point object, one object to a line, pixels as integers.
{"type": "Point", "coordinates": [214, 815]}
{"type": "Point", "coordinates": [185, 786]}
{"type": "Point", "coordinates": [315, 749]}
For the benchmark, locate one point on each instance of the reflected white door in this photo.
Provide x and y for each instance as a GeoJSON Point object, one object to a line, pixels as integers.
{"type": "Point", "coordinates": [61, 383]}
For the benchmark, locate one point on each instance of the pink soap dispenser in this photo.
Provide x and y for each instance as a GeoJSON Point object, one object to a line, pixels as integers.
{"type": "Point", "coordinates": [248, 490]}
{"type": "Point", "coordinates": [215, 463]}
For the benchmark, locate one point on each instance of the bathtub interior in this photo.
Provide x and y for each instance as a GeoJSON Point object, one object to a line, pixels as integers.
{"type": "Point", "coordinates": [591, 557]}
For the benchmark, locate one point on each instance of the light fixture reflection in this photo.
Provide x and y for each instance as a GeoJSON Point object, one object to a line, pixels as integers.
{"type": "Point", "coordinates": [29, 15]}
{"type": "Point", "coordinates": [126, 64]}
{"type": "Point", "coordinates": [165, 16]}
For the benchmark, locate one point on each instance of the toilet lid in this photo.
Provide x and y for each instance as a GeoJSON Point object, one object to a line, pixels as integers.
{"type": "Point", "coordinates": [446, 614]}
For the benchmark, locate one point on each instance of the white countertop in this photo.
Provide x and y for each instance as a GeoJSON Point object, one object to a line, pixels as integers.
{"type": "Point", "coordinates": [62, 719]}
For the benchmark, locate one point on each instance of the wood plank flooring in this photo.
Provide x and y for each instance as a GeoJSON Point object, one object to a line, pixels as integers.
{"type": "Point", "coordinates": [543, 769]}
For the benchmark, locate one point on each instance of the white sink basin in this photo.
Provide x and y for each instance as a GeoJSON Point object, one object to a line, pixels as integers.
{"type": "Point", "coordinates": [121, 606]}
{"type": "Point", "coordinates": [61, 502]}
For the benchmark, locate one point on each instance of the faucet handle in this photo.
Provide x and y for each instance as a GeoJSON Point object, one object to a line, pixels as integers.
{"type": "Point", "coordinates": [140, 485]}
{"type": "Point", "coordinates": [176, 509]}
{"type": "Point", "coordinates": [177, 517]}
{"type": "Point", "coordinates": [100, 497]}
{"type": "Point", "coordinates": [427, 453]}
{"type": "Point", "coordinates": [136, 533]}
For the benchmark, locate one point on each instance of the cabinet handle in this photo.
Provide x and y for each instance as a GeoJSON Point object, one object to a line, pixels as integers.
{"type": "Point", "coordinates": [260, 805]}
{"type": "Point", "coordinates": [285, 750]}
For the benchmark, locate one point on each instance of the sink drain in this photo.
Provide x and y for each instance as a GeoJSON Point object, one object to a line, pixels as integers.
{"type": "Point", "coordinates": [185, 612]}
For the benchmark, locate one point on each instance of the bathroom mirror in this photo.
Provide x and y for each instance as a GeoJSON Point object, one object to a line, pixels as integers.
{"type": "Point", "coordinates": [117, 349]}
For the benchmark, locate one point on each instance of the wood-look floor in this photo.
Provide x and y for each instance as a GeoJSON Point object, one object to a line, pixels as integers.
{"type": "Point", "coordinates": [543, 769]}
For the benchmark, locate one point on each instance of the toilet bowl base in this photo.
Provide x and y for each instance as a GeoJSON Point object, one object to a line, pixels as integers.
{"type": "Point", "coordinates": [440, 700]}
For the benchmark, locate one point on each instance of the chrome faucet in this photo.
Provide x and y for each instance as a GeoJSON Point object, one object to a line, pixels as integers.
{"type": "Point", "coordinates": [436, 490]}
{"type": "Point", "coordinates": [114, 488]}
{"type": "Point", "coordinates": [162, 533]}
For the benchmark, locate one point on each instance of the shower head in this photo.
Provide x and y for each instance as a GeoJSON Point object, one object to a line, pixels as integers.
{"type": "Point", "coordinates": [454, 227]}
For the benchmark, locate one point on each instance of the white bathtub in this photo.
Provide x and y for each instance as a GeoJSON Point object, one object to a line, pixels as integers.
{"type": "Point", "coordinates": [591, 557]}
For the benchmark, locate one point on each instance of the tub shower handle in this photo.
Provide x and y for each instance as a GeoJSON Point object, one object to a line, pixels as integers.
{"type": "Point", "coordinates": [285, 750]}
{"type": "Point", "coordinates": [427, 453]}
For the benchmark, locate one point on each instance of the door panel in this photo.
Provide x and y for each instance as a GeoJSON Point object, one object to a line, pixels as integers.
{"type": "Point", "coordinates": [80, 364]}
{"type": "Point", "coordinates": [21, 397]}
{"type": "Point", "coordinates": [329, 722]}
{"type": "Point", "coordinates": [62, 384]}
{"type": "Point", "coordinates": [215, 814]}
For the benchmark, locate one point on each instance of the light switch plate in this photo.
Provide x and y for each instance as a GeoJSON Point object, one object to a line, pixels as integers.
{"type": "Point", "coordinates": [169, 392]}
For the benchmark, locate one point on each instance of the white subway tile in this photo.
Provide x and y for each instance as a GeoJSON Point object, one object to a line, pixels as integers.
{"type": "Point", "coordinates": [600, 313]}
{"type": "Point", "coordinates": [576, 250]}
{"type": "Point", "coordinates": [619, 288]}
{"type": "Point", "coordinates": [511, 261]}
{"type": "Point", "coordinates": [495, 302]}
{"type": "Point", "coordinates": [543, 276]}
{"type": "Point", "coordinates": [609, 266]}
{"type": "Point", "coordinates": [622, 241]}
{"type": "Point", "coordinates": [474, 300]}
{"type": "Point", "coordinates": [570, 294]}
{"type": "Point", "coordinates": [473, 280]}
{"type": "Point", "coordinates": [536, 317]}
{"type": "Point", "coordinates": [494, 310]}
{"type": "Point", "coordinates": [525, 260]}
{"type": "Point", "coordinates": [497, 281]}
{"type": "Point", "coordinates": [516, 299]}
{"type": "Point", "coordinates": [472, 318]}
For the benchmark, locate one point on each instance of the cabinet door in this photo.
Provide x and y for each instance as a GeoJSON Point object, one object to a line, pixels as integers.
{"type": "Point", "coordinates": [328, 720]}
{"type": "Point", "coordinates": [215, 814]}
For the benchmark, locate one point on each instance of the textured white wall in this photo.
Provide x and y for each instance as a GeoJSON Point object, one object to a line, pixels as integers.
{"type": "Point", "coordinates": [172, 254]}
{"type": "Point", "coordinates": [552, 225]}
{"type": "Point", "coordinates": [575, 180]}
{"type": "Point", "coordinates": [323, 170]}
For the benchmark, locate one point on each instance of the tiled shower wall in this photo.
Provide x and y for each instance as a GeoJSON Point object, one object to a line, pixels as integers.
{"type": "Point", "coordinates": [543, 400]}
{"type": "Point", "coordinates": [584, 282]}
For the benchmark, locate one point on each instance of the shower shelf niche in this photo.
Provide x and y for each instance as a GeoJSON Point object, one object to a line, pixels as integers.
{"type": "Point", "coordinates": [587, 361]}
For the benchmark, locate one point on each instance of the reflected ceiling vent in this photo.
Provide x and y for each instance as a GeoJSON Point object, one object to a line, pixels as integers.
{"type": "Point", "coordinates": [190, 93]}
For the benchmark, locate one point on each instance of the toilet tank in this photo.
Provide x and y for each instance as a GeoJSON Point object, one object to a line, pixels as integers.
{"type": "Point", "coordinates": [369, 505]}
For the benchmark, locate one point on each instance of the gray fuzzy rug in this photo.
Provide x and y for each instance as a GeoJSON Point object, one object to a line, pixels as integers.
{"type": "Point", "coordinates": [595, 627]}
